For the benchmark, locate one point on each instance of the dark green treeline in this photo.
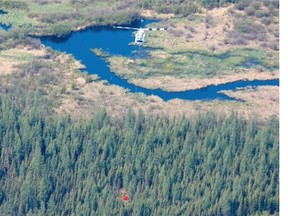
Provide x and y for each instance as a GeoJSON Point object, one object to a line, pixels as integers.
{"type": "Point", "coordinates": [207, 165]}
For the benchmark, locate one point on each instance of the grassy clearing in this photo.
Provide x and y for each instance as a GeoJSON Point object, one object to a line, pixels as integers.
{"type": "Point", "coordinates": [194, 64]}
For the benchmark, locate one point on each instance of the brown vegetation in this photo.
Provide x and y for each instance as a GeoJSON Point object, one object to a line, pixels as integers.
{"type": "Point", "coordinates": [58, 78]}
{"type": "Point", "coordinates": [262, 101]}
{"type": "Point", "coordinates": [219, 29]}
{"type": "Point", "coordinates": [57, 75]}
{"type": "Point", "coordinates": [151, 14]}
{"type": "Point", "coordinates": [173, 84]}
{"type": "Point", "coordinates": [9, 59]}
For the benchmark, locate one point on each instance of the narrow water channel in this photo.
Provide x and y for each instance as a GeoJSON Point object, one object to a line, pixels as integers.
{"type": "Point", "coordinates": [116, 41]}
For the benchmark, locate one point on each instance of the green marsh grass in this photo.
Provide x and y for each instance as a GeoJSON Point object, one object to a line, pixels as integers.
{"type": "Point", "coordinates": [197, 64]}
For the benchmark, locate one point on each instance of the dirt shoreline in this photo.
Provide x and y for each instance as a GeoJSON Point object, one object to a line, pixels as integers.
{"type": "Point", "coordinates": [180, 85]}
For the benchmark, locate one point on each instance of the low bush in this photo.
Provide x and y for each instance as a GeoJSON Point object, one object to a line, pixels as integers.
{"type": "Point", "coordinates": [276, 32]}
{"type": "Point", "coordinates": [247, 26]}
{"type": "Point", "coordinates": [261, 37]}
{"type": "Point", "coordinates": [41, 2]}
{"type": "Point", "coordinates": [273, 11]}
{"type": "Point", "coordinates": [246, 29]}
{"type": "Point", "coordinates": [192, 29]}
{"type": "Point", "coordinates": [274, 46]}
{"type": "Point", "coordinates": [231, 11]}
{"type": "Point", "coordinates": [250, 11]}
{"type": "Point", "coordinates": [261, 13]}
{"type": "Point", "coordinates": [235, 38]}
{"type": "Point", "coordinates": [35, 43]}
{"type": "Point", "coordinates": [275, 3]}
{"type": "Point", "coordinates": [266, 21]}
{"type": "Point", "coordinates": [266, 2]}
{"type": "Point", "coordinates": [255, 5]}
{"type": "Point", "coordinates": [209, 21]}
{"type": "Point", "coordinates": [241, 5]}
{"type": "Point", "coordinates": [19, 5]}
{"type": "Point", "coordinates": [189, 36]}
{"type": "Point", "coordinates": [60, 30]}
{"type": "Point", "coordinates": [176, 33]}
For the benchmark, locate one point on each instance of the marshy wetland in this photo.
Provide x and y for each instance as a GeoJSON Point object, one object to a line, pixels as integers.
{"type": "Point", "coordinates": [192, 60]}
{"type": "Point", "coordinates": [187, 124]}
{"type": "Point", "coordinates": [130, 70]}
{"type": "Point", "coordinates": [115, 43]}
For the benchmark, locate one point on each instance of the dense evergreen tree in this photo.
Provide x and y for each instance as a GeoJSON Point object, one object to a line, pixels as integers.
{"type": "Point", "coordinates": [209, 165]}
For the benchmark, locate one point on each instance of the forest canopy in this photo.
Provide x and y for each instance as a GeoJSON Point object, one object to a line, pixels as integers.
{"type": "Point", "coordinates": [208, 165]}
{"type": "Point", "coordinates": [136, 164]}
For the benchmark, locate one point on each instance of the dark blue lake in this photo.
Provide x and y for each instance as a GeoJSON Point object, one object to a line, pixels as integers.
{"type": "Point", "coordinates": [116, 41]}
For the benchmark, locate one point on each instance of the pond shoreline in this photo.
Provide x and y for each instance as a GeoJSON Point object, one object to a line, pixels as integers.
{"type": "Point", "coordinates": [105, 38]}
{"type": "Point", "coordinates": [169, 90]}
{"type": "Point", "coordinates": [132, 23]}
{"type": "Point", "coordinates": [195, 94]}
{"type": "Point", "coordinates": [3, 26]}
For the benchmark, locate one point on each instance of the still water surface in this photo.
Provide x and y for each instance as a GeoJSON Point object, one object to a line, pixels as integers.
{"type": "Point", "coordinates": [4, 27]}
{"type": "Point", "coordinates": [116, 41]}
